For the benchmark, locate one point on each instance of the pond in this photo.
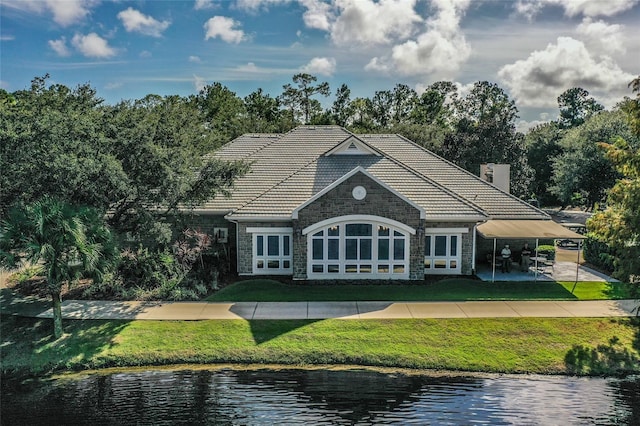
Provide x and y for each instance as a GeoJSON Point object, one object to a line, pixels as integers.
{"type": "Point", "coordinates": [317, 397]}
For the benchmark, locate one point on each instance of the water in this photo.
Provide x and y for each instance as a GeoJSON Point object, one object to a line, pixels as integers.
{"type": "Point", "coordinates": [318, 397]}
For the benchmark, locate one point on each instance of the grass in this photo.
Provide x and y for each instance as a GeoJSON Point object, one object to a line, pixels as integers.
{"type": "Point", "coordinates": [458, 289]}
{"type": "Point", "coordinates": [520, 345]}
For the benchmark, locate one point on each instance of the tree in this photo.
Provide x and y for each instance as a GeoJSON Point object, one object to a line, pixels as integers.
{"type": "Point", "coordinates": [382, 108]}
{"type": "Point", "coordinates": [71, 243]}
{"type": "Point", "coordinates": [582, 174]}
{"type": "Point", "coordinates": [161, 145]}
{"type": "Point", "coordinates": [222, 110]}
{"type": "Point", "coordinates": [543, 146]}
{"type": "Point", "coordinates": [341, 109]}
{"type": "Point", "coordinates": [362, 115]}
{"type": "Point", "coordinates": [619, 224]}
{"type": "Point", "coordinates": [485, 133]}
{"type": "Point", "coordinates": [403, 100]}
{"type": "Point", "coordinates": [263, 113]}
{"type": "Point", "coordinates": [433, 106]}
{"type": "Point", "coordinates": [139, 160]}
{"type": "Point", "coordinates": [575, 107]}
{"type": "Point", "coordinates": [52, 138]}
{"type": "Point", "coordinates": [299, 99]}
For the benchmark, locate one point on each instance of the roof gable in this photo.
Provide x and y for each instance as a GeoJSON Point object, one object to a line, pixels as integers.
{"type": "Point", "coordinates": [352, 146]}
{"type": "Point", "coordinates": [362, 170]}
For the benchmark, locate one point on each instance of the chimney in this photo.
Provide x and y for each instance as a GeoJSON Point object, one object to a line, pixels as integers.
{"type": "Point", "coordinates": [496, 174]}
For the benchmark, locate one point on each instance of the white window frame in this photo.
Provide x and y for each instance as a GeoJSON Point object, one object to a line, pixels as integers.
{"type": "Point", "coordinates": [360, 272]}
{"type": "Point", "coordinates": [432, 260]}
{"type": "Point", "coordinates": [266, 258]}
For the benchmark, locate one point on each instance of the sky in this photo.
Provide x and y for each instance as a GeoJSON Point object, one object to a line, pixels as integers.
{"type": "Point", "coordinates": [533, 49]}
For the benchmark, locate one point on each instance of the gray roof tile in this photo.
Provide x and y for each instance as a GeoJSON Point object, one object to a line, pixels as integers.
{"type": "Point", "coordinates": [288, 169]}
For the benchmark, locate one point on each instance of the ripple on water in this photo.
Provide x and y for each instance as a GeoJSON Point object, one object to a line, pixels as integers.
{"type": "Point", "coordinates": [319, 397]}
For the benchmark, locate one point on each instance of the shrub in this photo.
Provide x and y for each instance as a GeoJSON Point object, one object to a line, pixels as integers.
{"type": "Point", "coordinates": [598, 253]}
{"type": "Point", "coordinates": [146, 274]}
{"type": "Point", "coordinates": [26, 273]}
{"type": "Point", "coordinates": [547, 250]}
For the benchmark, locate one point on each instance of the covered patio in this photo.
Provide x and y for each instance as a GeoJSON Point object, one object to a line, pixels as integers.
{"type": "Point", "coordinates": [531, 230]}
{"type": "Point", "coordinates": [562, 271]}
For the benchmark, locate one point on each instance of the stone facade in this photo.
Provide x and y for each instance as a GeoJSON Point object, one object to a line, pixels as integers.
{"type": "Point", "coordinates": [339, 201]}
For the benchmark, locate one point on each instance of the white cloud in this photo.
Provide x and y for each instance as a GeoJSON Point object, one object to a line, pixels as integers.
{"type": "Point", "coordinates": [199, 83]}
{"type": "Point", "coordinates": [225, 28]}
{"type": "Point", "coordinates": [135, 21]}
{"type": "Point", "coordinates": [439, 51]}
{"type": "Point", "coordinates": [92, 45]}
{"type": "Point", "coordinates": [524, 126]}
{"type": "Point", "coordinates": [250, 67]}
{"type": "Point", "coordinates": [113, 85]}
{"type": "Point", "coordinates": [256, 5]}
{"type": "Point", "coordinates": [203, 4]}
{"type": "Point", "coordinates": [69, 12]}
{"type": "Point", "coordinates": [145, 54]}
{"type": "Point", "coordinates": [60, 47]}
{"type": "Point", "coordinates": [195, 59]}
{"type": "Point", "coordinates": [538, 80]}
{"type": "Point", "coordinates": [380, 65]}
{"type": "Point", "coordinates": [318, 14]}
{"type": "Point", "coordinates": [65, 12]}
{"type": "Point", "coordinates": [322, 66]}
{"type": "Point", "coordinates": [589, 8]}
{"type": "Point", "coordinates": [368, 22]}
{"type": "Point", "coordinates": [601, 36]}
{"type": "Point", "coordinates": [528, 9]}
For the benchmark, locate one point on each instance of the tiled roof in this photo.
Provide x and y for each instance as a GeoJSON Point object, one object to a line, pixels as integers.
{"type": "Point", "coordinates": [494, 202]}
{"type": "Point", "coordinates": [288, 169]}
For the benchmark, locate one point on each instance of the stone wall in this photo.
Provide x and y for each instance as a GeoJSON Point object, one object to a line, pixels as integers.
{"type": "Point", "coordinates": [379, 201]}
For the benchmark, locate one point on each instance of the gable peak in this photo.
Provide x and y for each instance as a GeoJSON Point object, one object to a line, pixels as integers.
{"type": "Point", "coordinates": [352, 146]}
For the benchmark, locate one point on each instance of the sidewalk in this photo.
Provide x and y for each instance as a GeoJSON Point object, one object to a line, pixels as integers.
{"type": "Point", "coordinates": [93, 309]}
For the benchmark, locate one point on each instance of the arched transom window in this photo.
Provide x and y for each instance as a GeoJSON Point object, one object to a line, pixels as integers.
{"type": "Point", "coordinates": [359, 248]}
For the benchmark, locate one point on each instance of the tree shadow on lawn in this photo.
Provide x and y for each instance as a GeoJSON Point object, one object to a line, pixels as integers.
{"type": "Point", "coordinates": [266, 330]}
{"type": "Point", "coordinates": [606, 359]}
{"type": "Point", "coordinates": [29, 347]}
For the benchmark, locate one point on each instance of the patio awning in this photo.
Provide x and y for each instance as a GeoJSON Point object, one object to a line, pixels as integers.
{"type": "Point", "coordinates": [512, 229]}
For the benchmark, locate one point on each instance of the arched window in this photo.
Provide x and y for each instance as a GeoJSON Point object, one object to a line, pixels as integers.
{"type": "Point", "coordinates": [358, 247]}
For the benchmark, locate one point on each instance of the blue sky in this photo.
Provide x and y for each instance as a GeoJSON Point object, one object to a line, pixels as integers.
{"type": "Point", "coordinates": [533, 49]}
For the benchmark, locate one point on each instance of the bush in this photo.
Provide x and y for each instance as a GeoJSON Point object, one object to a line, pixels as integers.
{"type": "Point", "coordinates": [548, 250]}
{"type": "Point", "coordinates": [598, 253]}
{"type": "Point", "coordinates": [26, 273]}
{"type": "Point", "coordinates": [145, 274]}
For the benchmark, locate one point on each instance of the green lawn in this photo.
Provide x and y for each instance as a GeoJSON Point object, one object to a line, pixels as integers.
{"type": "Point", "coordinates": [458, 289]}
{"type": "Point", "coordinates": [514, 345]}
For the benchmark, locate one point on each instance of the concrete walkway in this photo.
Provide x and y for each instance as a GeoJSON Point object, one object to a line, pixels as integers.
{"type": "Point", "coordinates": [84, 309]}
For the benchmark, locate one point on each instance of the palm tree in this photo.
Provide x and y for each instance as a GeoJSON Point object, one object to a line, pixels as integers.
{"type": "Point", "coordinates": [70, 242]}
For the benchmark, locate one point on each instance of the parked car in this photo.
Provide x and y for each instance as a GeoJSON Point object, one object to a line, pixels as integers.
{"type": "Point", "coordinates": [575, 227]}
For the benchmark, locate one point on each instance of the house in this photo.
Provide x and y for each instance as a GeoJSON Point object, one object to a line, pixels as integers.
{"type": "Point", "coordinates": [323, 203]}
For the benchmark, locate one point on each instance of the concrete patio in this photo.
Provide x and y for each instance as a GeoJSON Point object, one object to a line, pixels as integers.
{"type": "Point", "coordinates": [561, 271]}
